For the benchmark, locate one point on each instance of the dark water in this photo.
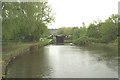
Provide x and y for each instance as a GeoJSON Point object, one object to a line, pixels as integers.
{"type": "Point", "coordinates": [64, 61]}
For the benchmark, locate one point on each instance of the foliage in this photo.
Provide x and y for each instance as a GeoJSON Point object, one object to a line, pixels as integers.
{"type": "Point", "coordinates": [93, 31]}
{"type": "Point", "coordinates": [44, 41]}
{"type": "Point", "coordinates": [75, 33]}
{"type": "Point", "coordinates": [97, 32]}
{"type": "Point", "coordinates": [108, 32]}
{"type": "Point", "coordinates": [84, 40]}
{"type": "Point", "coordinates": [25, 21]}
{"type": "Point", "coordinates": [64, 31]}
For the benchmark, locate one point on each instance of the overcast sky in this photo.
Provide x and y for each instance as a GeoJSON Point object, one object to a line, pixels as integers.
{"type": "Point", "coordinates": [74, 12]}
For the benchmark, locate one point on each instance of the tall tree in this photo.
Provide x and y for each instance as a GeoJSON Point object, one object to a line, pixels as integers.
{"type": "Point", "coordinates": [93, 31]}
{"type": "Point", "coordinates": [109, 31]}
{"type": "Point", "coordinates": [25, 20]}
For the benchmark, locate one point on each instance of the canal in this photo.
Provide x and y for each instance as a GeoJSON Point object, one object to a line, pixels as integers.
{"type": "Point", "coordinates": [65, 61]}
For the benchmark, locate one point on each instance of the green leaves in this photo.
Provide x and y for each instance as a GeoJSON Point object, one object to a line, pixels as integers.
{"type": "Point", "coordinates": [25, 20]}
{"type": "Point", "coordinates": [93, 31]}
{"type": "Point", "coordinates": [105, 31]}
{"type": "Point", "coordinates": [98, 31]}
{"type": "Point", "coordinates": [108, 32]}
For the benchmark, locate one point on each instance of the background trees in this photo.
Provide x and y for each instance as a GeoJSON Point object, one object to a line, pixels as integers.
{"type": "Point", "coordinates": [97, 32]}
{"type": "Point", "coordinates": [108, 31]}
{"type": "Point", "coordinates": [93, 31]}
{"type": "Point", "coordinates": [25, 21]}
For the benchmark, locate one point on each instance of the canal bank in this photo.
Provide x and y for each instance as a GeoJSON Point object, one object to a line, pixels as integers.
{"type": "Point", "coordinates": [48, 60]}
{"type": "Point", "coordinates": [13, 52]}
{"type": "Point", "coordinates": [16, 50]}
{"type": "Point", "coordinates": [113, 45]}
{"type": "Point", "coordinates": [65, 61]}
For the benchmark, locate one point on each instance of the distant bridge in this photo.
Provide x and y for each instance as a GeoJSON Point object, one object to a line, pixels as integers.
{"type": "Point", "coordinates": [60, 39]}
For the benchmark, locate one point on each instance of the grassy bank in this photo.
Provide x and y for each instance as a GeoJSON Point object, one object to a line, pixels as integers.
{"type": "Point", "coordinates": [102, 46]}
{"type": "Point", "coordinates": [44, 42]}
{"type": "Point", "coordinates": [94, 43]}
{"type": "Point", "coordinates": [13, 50]}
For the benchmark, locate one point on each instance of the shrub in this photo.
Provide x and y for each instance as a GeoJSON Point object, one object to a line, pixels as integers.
{"type": "Point", "coordinates": [84, 40]}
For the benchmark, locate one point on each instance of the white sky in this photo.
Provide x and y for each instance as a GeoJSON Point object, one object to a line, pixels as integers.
{"type": "Point", "coordinates": [74, 12]}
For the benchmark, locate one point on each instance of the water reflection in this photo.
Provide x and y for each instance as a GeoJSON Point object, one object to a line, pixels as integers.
{"type": "Point", "coordinates": [64, 61]}
{"type": "Point", "coordinates": [31, 65]}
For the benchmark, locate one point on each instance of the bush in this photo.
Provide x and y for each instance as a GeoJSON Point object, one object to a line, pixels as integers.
{"type": "Point", "coordinates": [95, 40]}
{"type": "Point", "coordinates": [84, 40]}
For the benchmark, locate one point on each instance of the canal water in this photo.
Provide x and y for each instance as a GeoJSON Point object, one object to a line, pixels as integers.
{"type": "Point", "coordinates": [65, 61]}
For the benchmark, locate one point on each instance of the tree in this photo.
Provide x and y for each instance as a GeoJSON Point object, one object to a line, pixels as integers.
{"type": "Point", "coordinates": [93, 31]}
{"type": "Point", "coordinates": [109, 31]}
{"type": "Point", "coordinates": [25, 20]}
